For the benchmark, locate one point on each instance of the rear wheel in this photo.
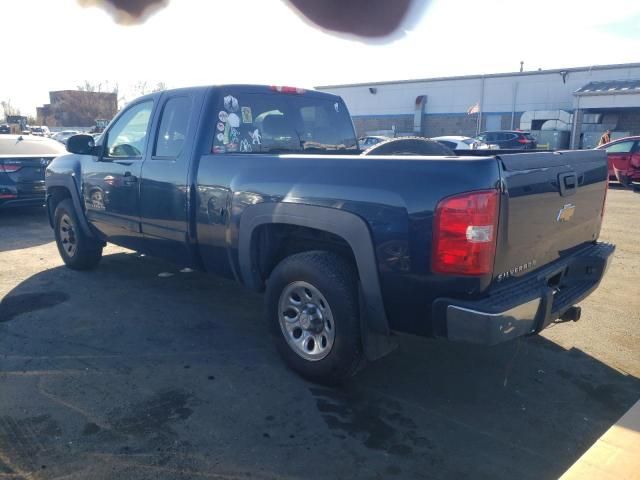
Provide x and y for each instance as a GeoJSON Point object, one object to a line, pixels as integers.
{"type": "Point", "coordinates": [312, 305]}
{"type": "Point", "coordinates": [78, 251]}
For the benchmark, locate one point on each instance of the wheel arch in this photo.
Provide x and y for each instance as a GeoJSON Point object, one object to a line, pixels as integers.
{"type": "Point", "coordinates": [345, 225]}
{"type": "Point", "coordinates": [60, 187]}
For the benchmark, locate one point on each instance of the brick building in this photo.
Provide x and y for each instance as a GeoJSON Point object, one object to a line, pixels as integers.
{"type": "Point", "coordinates": [562, 107]}
{"type": "Point", "coordinates": [77, 108]}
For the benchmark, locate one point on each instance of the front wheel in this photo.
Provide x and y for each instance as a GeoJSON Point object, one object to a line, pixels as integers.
{"type": "Point", "coordinates": [312, 306]}
{"type": "Point", "coordinates": [78, 251]}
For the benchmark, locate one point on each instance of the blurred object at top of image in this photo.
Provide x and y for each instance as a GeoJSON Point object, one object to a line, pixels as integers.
{"type": "Point", "coordinates": [369, 19]}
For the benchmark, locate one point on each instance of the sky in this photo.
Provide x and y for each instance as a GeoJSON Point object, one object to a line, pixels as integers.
{"type": "Point", "coordinates": [58, 44]}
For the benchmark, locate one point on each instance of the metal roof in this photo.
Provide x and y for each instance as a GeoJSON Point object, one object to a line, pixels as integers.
{"type": "Point", "coordinates": [609, 87]}
{"type": "Point", "coordinates": [490, 75]}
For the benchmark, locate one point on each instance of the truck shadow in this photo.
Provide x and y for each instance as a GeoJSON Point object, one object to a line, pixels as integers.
{"type": "Point", "coordinates": [175, 375]}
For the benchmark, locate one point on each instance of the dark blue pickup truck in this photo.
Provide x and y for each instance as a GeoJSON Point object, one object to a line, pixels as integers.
{"type": "Point", "coordinates": [267, 186]}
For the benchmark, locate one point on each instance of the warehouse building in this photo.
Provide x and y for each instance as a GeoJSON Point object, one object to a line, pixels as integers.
{"type": "Point", "coordinates": [563, 108]}
{"type": "Point", "coordinates": [77, 108]}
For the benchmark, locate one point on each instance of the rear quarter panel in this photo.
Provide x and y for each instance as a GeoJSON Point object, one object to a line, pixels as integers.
{"type": "Point", "coordinates": [395, 196]}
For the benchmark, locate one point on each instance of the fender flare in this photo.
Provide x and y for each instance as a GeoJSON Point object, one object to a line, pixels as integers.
{"type": "Point", "coordinates": [68, 182]}
{"type": "Point", "coordinates": [352, 228]}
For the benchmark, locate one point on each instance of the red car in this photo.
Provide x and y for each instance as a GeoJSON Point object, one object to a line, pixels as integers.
{"type": "Point", "coordinates": [624, 159]}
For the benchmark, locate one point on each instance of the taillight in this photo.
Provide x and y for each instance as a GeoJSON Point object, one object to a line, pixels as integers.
{"type": "Point", "coordinates": [464, 233]}
{"type": "Point", "coordinates": [287, 89]}
{"type": "Point", "coordinates": [10, 167]}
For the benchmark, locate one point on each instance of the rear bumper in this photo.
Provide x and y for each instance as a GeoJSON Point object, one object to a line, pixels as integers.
{"type": "Point", "coordinates": [22, 202]}
{"type": "Point", "coordinates": [627, 177]}
{"type": "Point", "coordinates": [10, 197]}
{"type": "Point", "coordinates": [19, 195]}
{"type": "Point", "coordinates": [528, 304]}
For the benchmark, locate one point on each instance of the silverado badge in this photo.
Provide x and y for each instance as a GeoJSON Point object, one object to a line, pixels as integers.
{"type": "Point", "coordinates": [566, 212]}
{"type": "Point", "coordinates": [515, 271]}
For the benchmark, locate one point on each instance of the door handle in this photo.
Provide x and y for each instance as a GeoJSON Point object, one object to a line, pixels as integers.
{"type": "Point", "coordinates": [568, 183]}
{"type": "Point", "coordinates": [129, 179]}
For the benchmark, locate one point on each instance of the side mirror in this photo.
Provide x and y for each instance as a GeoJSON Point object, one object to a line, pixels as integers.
{"type": "Point", "coordinates": [81, 144]}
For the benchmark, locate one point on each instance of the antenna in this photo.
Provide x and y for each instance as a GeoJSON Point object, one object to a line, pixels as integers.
{"type": "Point", "coordinates": [521, 65]}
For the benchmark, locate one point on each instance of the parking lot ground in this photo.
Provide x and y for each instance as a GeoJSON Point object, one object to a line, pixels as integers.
{"type": "Point", "coordinates": [120, 373]}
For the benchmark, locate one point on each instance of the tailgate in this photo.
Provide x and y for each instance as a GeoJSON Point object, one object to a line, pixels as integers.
{"type": "Point", "coordinates": [553, 203]}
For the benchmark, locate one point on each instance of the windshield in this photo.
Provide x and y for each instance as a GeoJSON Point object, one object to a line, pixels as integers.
{"type": "Point", "coordinates": [282, 123]}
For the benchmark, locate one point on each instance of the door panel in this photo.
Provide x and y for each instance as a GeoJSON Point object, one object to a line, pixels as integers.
{"type": "Point", "coordinates": [111, 181]}
{"type": "Point", "coordinates": [164, 190]}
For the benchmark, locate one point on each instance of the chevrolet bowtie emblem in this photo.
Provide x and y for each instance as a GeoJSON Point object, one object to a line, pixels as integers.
{"type": "Point", "coordinates": [566, 212]}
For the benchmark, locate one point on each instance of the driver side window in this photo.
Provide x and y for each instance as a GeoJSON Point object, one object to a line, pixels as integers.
{"type": "Point", "coordinates": [128, 136]}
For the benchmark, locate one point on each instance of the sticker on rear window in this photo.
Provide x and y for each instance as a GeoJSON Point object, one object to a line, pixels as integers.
{"type": "Point", "coordinates": [234, 135]}
{"type": "Point", "coordinates": [220, 127]}
{"type": "Point", "coordinates": [247, 117]}
{"type": "Point", "coordinates": [245, 146]}
{"type": "Point", "coordinates": [234, 120]}
{"type": "Point", "coordinates": [223, 116]}
{"type": "Point", "coordinates": [256, 138]}
{"type": "Point", "coordinates": [219, 149]}
{"type": "Point", "coordinates": [336, 106]}
{"type": "Point", "coordinates": [231, 103]}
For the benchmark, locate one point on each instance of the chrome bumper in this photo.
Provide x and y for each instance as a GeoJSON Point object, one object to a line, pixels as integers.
{"type": "Point", "coordinates": [467, 325]}
{"type": "Point", "coordinates": [526, 305]}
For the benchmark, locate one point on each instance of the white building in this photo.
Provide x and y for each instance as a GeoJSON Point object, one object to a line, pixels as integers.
{"type": "Point", "coordinates": [561, 107]}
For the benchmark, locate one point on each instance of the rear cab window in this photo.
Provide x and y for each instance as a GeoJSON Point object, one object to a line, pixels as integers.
{"type": "Point", "coordinates": [174, 125]}
{"type": "Point", "coordinates": [276, 122]}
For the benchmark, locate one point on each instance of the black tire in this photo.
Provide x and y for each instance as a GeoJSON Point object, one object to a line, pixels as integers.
{"type": "Point", "coordinates": [409, 146]}
{"type": "Point", "coordinates": [337, 281]}
{"type": "Point", "coordinates": [78, 251]}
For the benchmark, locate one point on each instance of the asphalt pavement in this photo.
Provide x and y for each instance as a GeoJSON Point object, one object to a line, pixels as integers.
{"type": "Point", "coordinates": [122, 373]}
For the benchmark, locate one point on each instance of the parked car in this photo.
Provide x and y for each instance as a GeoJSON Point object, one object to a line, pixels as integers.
{"type": "Point", "coordinates": [623, 157]}
{"type": "Point", "coordinates": [268, 186]}
{"type": "Point", "coordinates": [455, 142]}
{"type": "Point", "coordinates": [64, 135]}
{"type": "Point", "coordinates": [370, 141]}
{"type": "Point", "coordinates": [5, 129]}
{"type": "Point", "coordinates": [509, 139]}
{"type": "Point", "coordinates": [23, 160]}
{"type": "Point", "coordinates": [40, 131]}
{"type": "Point", "coordinates": [409, 146]}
